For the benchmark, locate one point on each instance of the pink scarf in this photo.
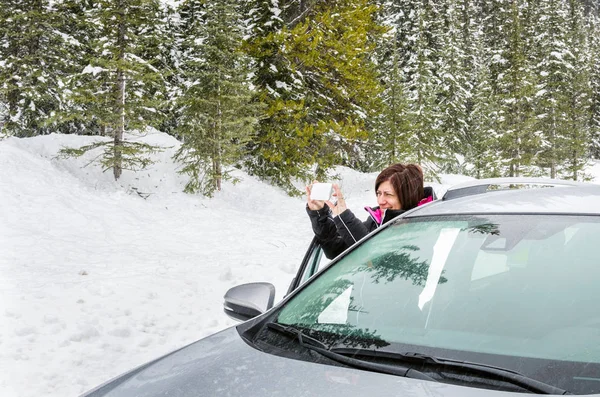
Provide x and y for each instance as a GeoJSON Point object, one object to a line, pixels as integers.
{"type": "Point", "coordinates": [379, 213]}
{"type": "Point", "coordinates": [425, 201]}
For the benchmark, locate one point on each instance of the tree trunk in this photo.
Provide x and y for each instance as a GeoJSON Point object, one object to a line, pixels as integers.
{"type": "Point", "coordinates": [120, 97]}
{"type": "Point", "coordinates": [217, 164]}
{"type": "Point", "coordinates": [120, 128]}
{"type": "Point", "coordinates": [13, 102]}
{"type": "Point", "coordinates": [13, 94]}
{"type": "Point", "coordinates": [575, 165]}
{"type": "Point", "coordinates": [395, 126]}
{"type": "Point", "coordinates": [553, 147]}
{"type": "Point", "coordinates": [518, 163]}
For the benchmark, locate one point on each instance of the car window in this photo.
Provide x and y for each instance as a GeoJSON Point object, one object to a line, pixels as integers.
{"type": "Point", "coordinates": [316, 261]}
{"type": "Point", "coordinates": [514, 288]}
{"type": "Point", "coordinates": [322, 260]}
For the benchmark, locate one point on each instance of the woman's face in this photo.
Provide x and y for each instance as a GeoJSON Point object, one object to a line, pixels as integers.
{"type": "Point", "coordinates": [387, 197]}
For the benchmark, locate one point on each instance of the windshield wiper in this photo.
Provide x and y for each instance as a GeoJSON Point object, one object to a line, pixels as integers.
{"type": "Point", "coordinates": [489, 371]}
{"type": "Point", "coordinates": [319, 347]}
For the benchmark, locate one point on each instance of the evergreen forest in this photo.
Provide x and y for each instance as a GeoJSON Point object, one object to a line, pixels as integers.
{"type": "Point", "coordinates": [288, 89]}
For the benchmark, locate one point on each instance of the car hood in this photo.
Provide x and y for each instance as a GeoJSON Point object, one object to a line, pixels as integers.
{"type": "Point", "coordinates": [224, 365]}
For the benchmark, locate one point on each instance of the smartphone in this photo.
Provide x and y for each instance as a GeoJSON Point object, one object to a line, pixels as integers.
{"type": "Point", "coordinates": [321, 191]}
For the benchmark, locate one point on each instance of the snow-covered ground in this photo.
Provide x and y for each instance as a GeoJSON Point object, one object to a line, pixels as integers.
{"type": "Point", "coordinates": [95, 279]}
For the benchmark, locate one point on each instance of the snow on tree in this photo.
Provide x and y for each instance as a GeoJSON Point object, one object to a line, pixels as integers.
{"type": "Point", "coordinates": [317, 77]}
{"type": "Point", "coordinates": [122, 86]}
{"type": "Point", "coordinates": [216, 115]}
{"type": "Point", "coordinates": [35, 63]}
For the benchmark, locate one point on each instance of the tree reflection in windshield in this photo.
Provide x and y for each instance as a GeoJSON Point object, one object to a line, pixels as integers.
{"type": "Point", "coordinates": [402, 263]}
{"type": "Point", "coordinates": [336, 333]}
{"type": "Point", "coordinates": [486, 228]}
{"type": "Point", "coordinates": [354, 337]}
{"type": "Point", "coordinates": [341, 311]}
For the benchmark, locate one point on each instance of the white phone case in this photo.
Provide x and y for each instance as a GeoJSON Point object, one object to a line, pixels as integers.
{"type": "Point", "coordinates": [321, 191]}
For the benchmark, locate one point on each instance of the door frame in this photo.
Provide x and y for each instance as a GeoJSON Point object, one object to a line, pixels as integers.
{"type": "Point", "coordinates": [309, 264]}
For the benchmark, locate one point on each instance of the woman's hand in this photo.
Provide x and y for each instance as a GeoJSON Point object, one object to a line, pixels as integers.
{"type": "Point", "coordinates": [314, 205]}
{"type": "Point", "coordinates": [340, 206]}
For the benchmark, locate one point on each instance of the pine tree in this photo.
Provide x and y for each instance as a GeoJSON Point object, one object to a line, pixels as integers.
{"type": "Point", "coordinates": [390, 142]}
{"type": "Point", "coordinates": [482, 149]}
{"type": "Point", "coordinates": [277, 87]}
{"type": "Point", "coordinates": [564, 93]}
{"type": "Point", "coordinates": [121, 88]}
{"type": "Point", "coordinates": [217, 116]}
{"type": "Point", "coordinates": [580, 95]}
{"type": "Point", "coordinates": [457, 63]}
{"type": "Point", "coordinates": [593, 32]}
{"type": "Point", "coordinates": [34, 65]}
{"type": "Point", "coordinates": [423, 85]}
{"type": "Point", "coordinates": [168, 51]}
{"type": "Point", "coordinates": [515, 87]}
{"type": "Point", "coordinates": [317, 78]}
{"type": "Point", "coordinates": [429, 73]}
{"type": "Point", "coordinates": [333, 51]}
{"type": "Point", "coordinates": [553, 91]}
{"type": "Point", "coordinates": [77, 29]}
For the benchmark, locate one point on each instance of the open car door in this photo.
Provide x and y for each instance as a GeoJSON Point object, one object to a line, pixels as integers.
{"type": "Point", "coordinates": [313, 261]}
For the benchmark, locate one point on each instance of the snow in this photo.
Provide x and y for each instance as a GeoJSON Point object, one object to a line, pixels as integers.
{"type": "Point", "coordinates": [96, 279]}
{"type": "Point", "coordinates": [94, 70]}
{"type": "Point", "coordinates": [282, 84]}
{"type": "Point", "coordinates": [67, 38]}
{"type": "Point", "coordinates": [275, 10]}
{"type": "Point", "coordinates": [136, 58]}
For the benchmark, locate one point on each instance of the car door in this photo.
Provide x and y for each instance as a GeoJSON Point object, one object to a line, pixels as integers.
{"type": "Point", "coordinates": [313, 261]}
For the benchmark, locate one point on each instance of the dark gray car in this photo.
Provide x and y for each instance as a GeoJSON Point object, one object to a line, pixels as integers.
{"type": "Point", "coordinates": [481, 293]}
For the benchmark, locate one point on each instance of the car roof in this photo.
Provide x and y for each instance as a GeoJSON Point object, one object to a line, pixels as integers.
{"type": "Point", "coordinates": [578, 198]}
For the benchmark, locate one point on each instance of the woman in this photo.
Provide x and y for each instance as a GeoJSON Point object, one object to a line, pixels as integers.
{"type": "Point", "coordinates": [399, 188]}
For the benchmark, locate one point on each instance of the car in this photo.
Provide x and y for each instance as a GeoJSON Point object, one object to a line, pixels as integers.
{"type": "Point", "coordinates": [490, 291]}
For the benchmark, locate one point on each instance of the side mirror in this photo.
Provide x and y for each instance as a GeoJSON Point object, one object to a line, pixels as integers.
{"type": "Point", "coordinates": [247, 301]}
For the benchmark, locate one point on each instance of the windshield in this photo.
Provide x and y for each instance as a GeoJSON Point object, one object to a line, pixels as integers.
{"type": "Point", "coordinates": [515, 291]}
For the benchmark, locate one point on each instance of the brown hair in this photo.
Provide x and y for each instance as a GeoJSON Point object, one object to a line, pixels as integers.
{"type": "Point", "coordinates": [407, 181]}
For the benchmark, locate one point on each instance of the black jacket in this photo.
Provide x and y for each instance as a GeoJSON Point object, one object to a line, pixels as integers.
{"type": "Point", "coordinates": [336, 234]}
